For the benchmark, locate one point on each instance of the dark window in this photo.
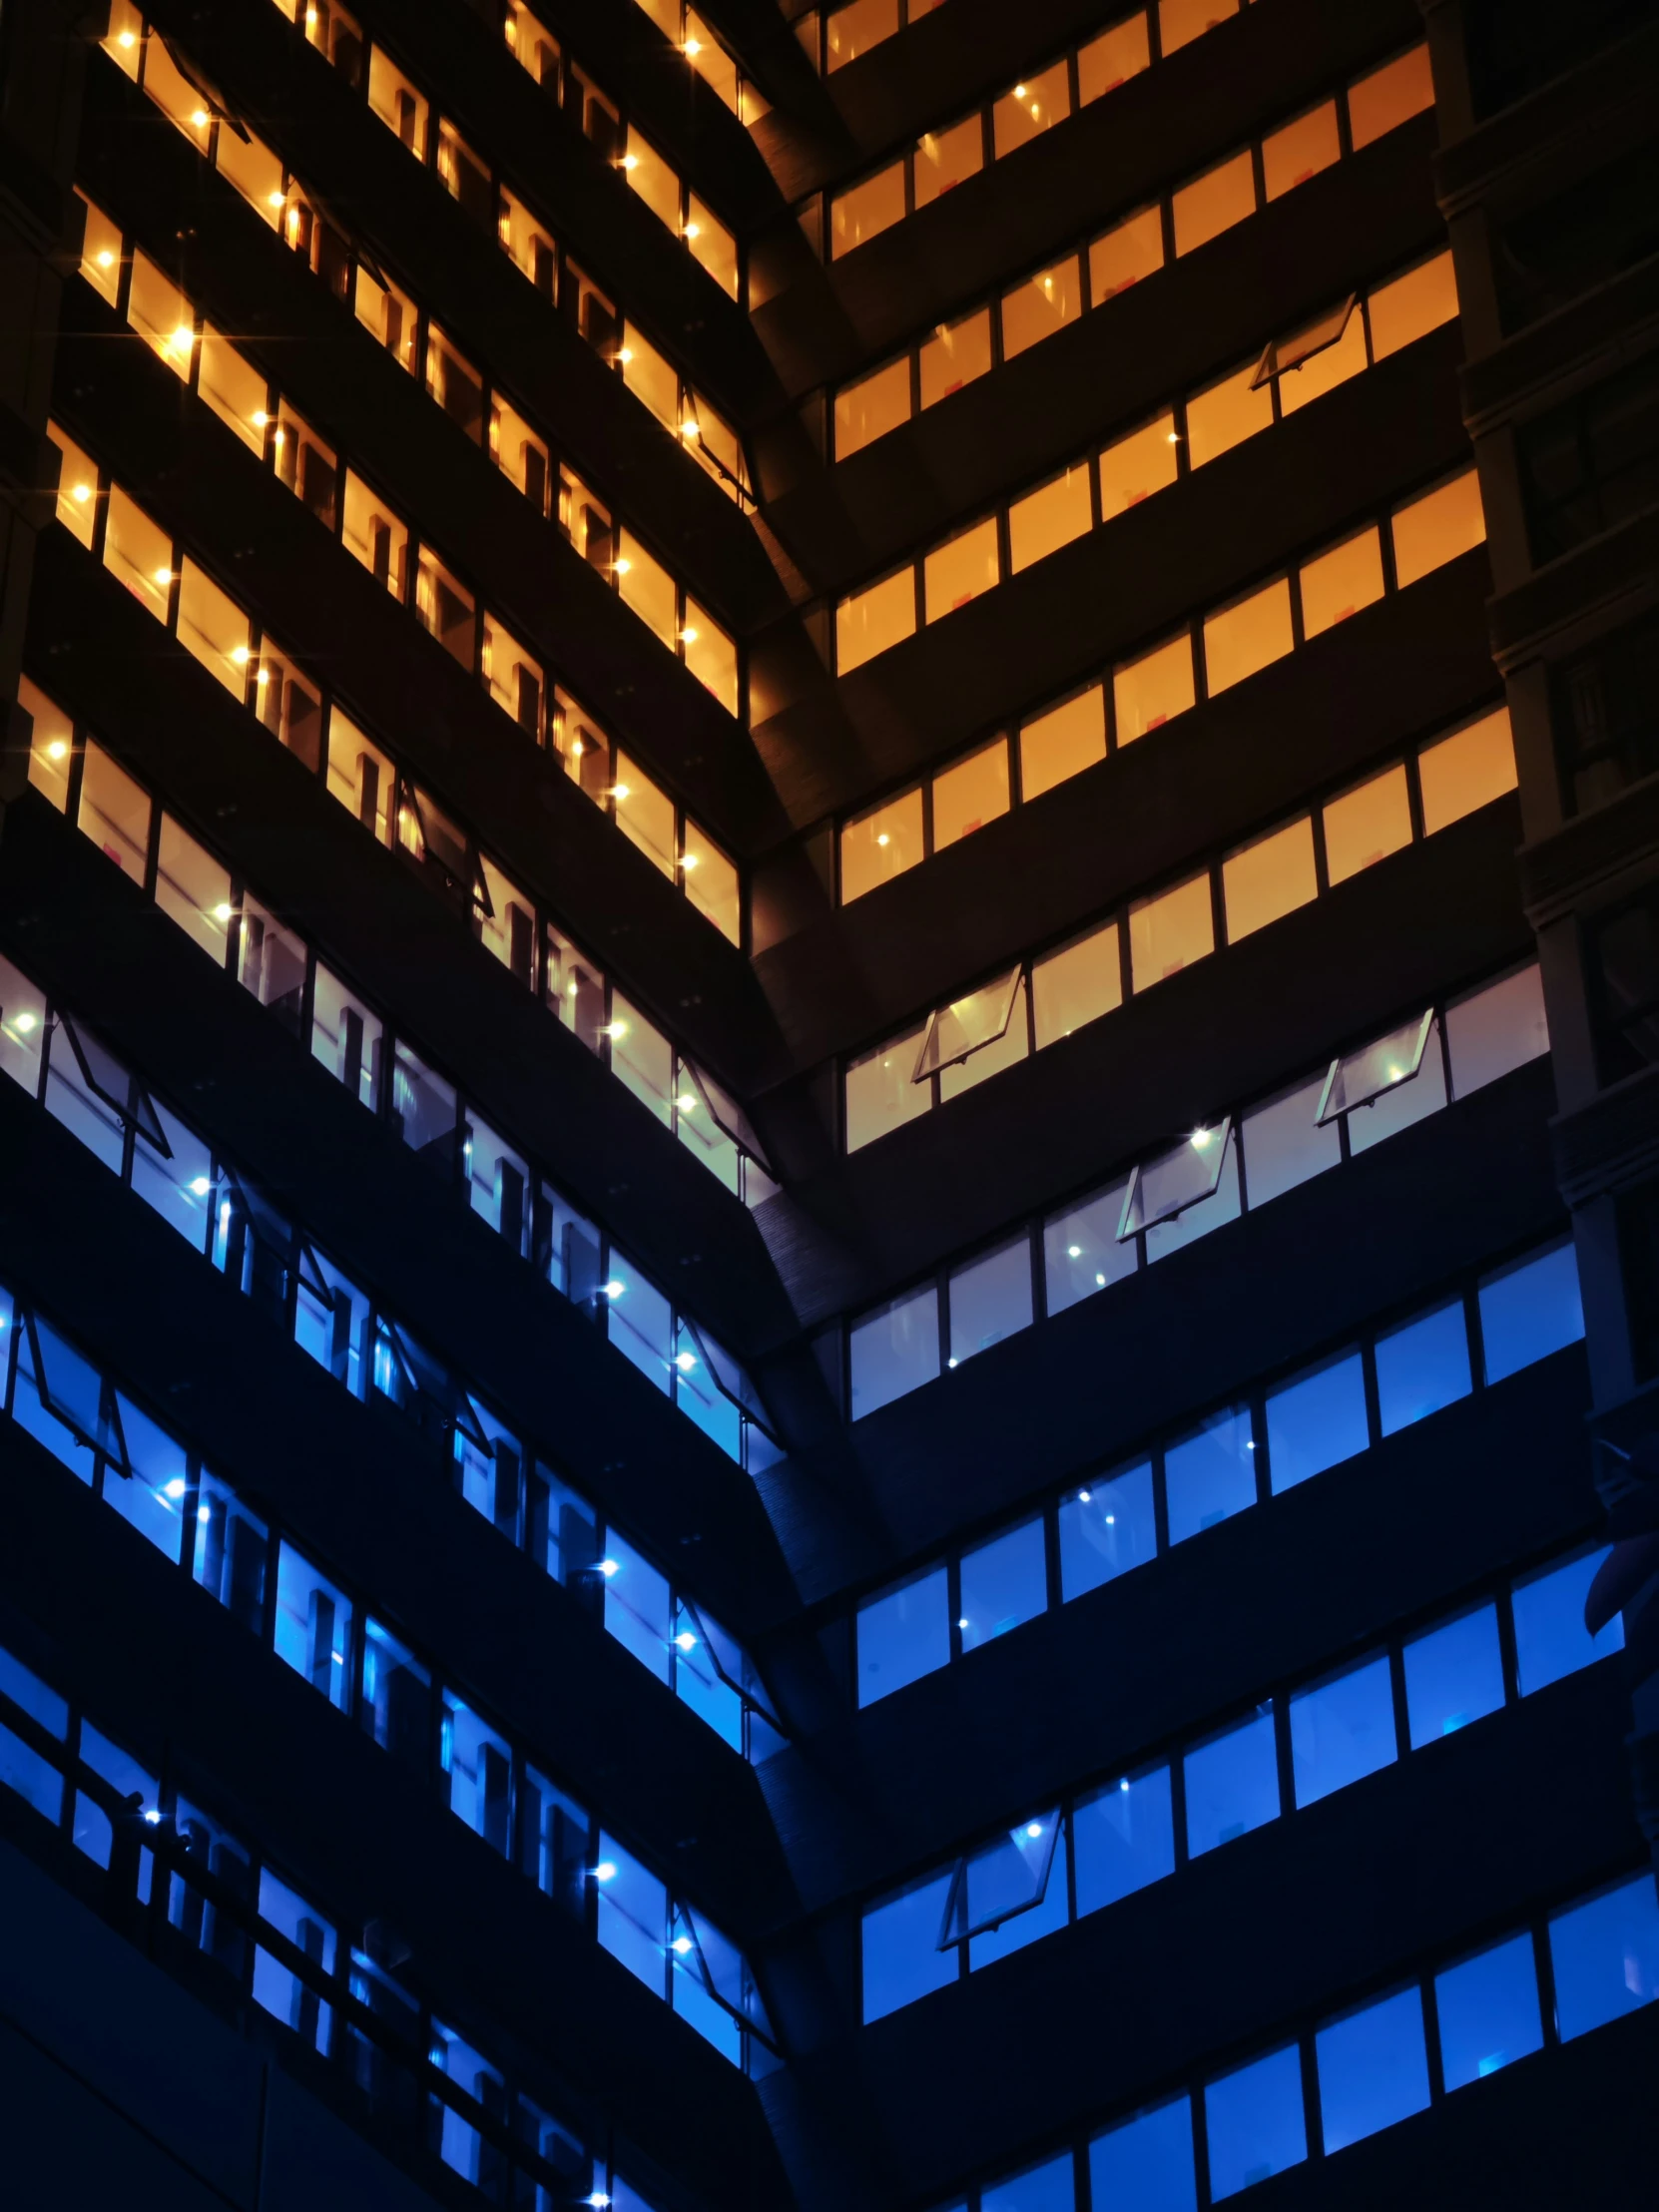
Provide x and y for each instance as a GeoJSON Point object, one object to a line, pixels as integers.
{"type": "Point", "coordinates": [1589, 465]}
{"type": "Point", "coordinates": [1607, 223]}
{"type": "Point", "coordinates": [1606, 715]}
{"type": "Point", "coordinates": [1516, 45]}
{"type": "Point", "coordinates": [1624, 978]}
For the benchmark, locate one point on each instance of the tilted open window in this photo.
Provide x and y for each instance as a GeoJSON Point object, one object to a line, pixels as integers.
{"type": "Point", "coordinates": [967, 1024]}
{"type": "Point", "coordinates": [110, 1079]}
{"type": "Point", "coordinates": [1359, 1078]}
{"type": "Point", "coordinates": [991, 1883]}
{"type": "Point", "coordinates": [1282, 354]}
{"type": "Point", "coordinates": [1170, 1181]}
{"type": "Point", "coordinates": [73, 1391]}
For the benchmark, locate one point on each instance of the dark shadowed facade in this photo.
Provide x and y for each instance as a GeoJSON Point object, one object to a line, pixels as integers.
{"type": "Point", "coordinates": [830, 1216]}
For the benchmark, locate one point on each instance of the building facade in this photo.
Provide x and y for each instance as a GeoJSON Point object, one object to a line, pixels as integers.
{"type": "Point", "coordinates": [829, 1314]}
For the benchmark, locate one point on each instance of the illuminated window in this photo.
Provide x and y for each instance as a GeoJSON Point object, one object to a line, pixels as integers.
{"type": "Point", "coordinates": [955, 355]}
{"type": "Point", "coordinates": [1224, 413]}
{"type": "Point", "coordinates": [1338, 583]}
{"type": "Point", "coordinates": [455, 384]}
{"type": "Point", "coordinates": [944, 159]}
{"type": "Point", "coordinates": [161, 314]}
{"type": "Point", "coordinates": [1466, 770]}
{"type": "Point", "coordinates": [1112, 59]}
{"type": "Point", "coordinates": [396, 101]}
{"type": "Point", "coordinates": [1147, 691]}
{"type": "Point", "coordinates": [1049, 517]}
{"type": "Point", "coordinates": [526, 243]}
{"type": "Point", "coordinates": [466, 175]}
{"type": "Point", "coordinates": [1171, 932]}
{"type": "Point", "coordinates": [213, 628]}
{"type": "Point", "coordinates": [1181, 21]}
{"type": "Point", "coordinates": [1041, 305]}
{"type": "Point", "coordinates": [101, 249]}
{"type": "Point", "coordinates": [138, 553]}
{"type": "Point", "coordinates": [970, 792]}
{"type": "Point", "coordinates": [1268, 878]}
{"type": "Point", "coordinates": [867, 210]}
{"type": "Point", "coordinates": [1300, 149]}
{"type": "Point", "coordinates": [1245, 637]}
{"type": "Point", "coordinates": [1437, 527]}
{"type": "Point", "coordinates": [1062, 742]}
{"type": "Point", "coordinates": [374, 536]}
{"type": "Point", "coordinates": [960, 569]}
{"type": "Point", "coordinates": [711, 244]}
{"type": "Point", "coordinates": [711, 656]}
{"type": "Point", "coordinates": [1366, 824]}
{"type": "Point", "coordinates": [871, 408]}
{"type": "Point", "coordinates": [255, 170]}
{"type": "Point", "coordinates": [444, 607]}
{"type": "Point", "coordinates": [1322, 365]}
{"type": "Point", "coordinates": [235, 391]}
{"type": "Point", "coordinates": [1214, 202]}
{"type": "Point", "coordinates": [880, 1094]}
{"type": "Point", "coordinates": [881, 843]}
{"type": "Point", "coordinates": [1412, 306]}
{"type": "Point", "coordinates": [520, 455]}
{"type": "Point", "coordinates": [711, 882]}
{"type": "Point", "coordinates": [114, 811]}
{"type": "Point", "coordinates": [1389, 96]}
{"type": "Point", "coordinates": [1033, 106]}
{"type": "Point", "coordinates": [853, 30]}
{"type": "Point", "coordinates": [77, 505]}
{"type": "Point", "coordinates": [1137, 465]}
{"type": "Point", "coordinates": [1130, 250]}
{"type": "Point", "coordinates": [1076, 984]}
{"type": "Point", "coordinates": [648, 588]}
{"type": "Point", "coordinates": [389, 314]}
{"type": "Point", "coordinates": [309, 468]}
{"type": "Point", "coordinates": [514, 677]}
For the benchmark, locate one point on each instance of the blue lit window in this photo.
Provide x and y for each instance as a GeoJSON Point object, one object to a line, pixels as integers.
{"type": "Point", "coordinates": [1453, 1675]}
{"type": "Point", "coordinates": [560, 1532]}
{"type": "Point", "coordinates": [901, 1946]}
{"type": "Point", "coordinates": [633, 1914]}
{"type": "Point", "coordinates": [1106, 1527]}
{"type": "Point", "coordinates": [1081, 1253]}
{"type": "Point", "coordinates": [1373, 2068]}
{"type": "Point", "coordinates": [1012, 1890]}
{"type": "Point", "coordinates": [639, 1607]}
{"type": "Point", "coordinates": [31, 1695]}
{"type": "Point", "coordinates": [1316, 1422]}
{"type": "Point", "coordinates": [178, 1184]}
{"type": "Point", "coordinates": [33, 1777]}
{"type": "Point", "coordinates": [1283, 1143]}
{"type": "Point", "coordinates": [313, 1627]}
{"type": "Point", "coordinates": [151, 1497]}
{"type": "Point", "coordinates": [1146, 2164]}
{"type": "Point", "coordinates": [713, 1989]}
{"type": "Point", "coordinates": [1003, 1583]}
{"type": "Point", "coordinates": [893, 1350]}
{"type": "Point", "coordinates": [903, 1635]}
{"type": "Point", "coordinates": [991, 1299]}
{"type": "Point", "coordinates": [1488, 2012]}
{"type": "Point", "coordinates": [397, 1707]}
{"type": "Point", "coordinates": [1341, 1729]}
{"type": "Point", "coordinates": [93, 1833]}
{"type": "Point", "coordinates": [1255, 2122]}
{"type": "Point", "coordinates": [330, 1321]}
{"type": "Point", "coordinates": [1605, 1954]}
{"type": "Point", "coordinates": [1423, 1366]}
{"type": "Point", "coordinates": [1550, 1637]}
{"type": "Point", "coordinates": [1044, 2188]}
{"type": "Point", "coordinates": [1123, 1837]}
{"type": "Point", "coordinates": [489, 1464]}
{"type": "Point", "coordinates": [553, 1841]}
{"type": "Point", "coordinates": [63, 1401]}
{"type": "Point", "coordinates": [232, 1548]}
{"type": "Point", "coordinates": [698, 1393]}
{"type": "Point", "coordinates": [1231, 1783]}
{"type": "Point", "coordinates": [459, 2143]}
{"type": "Point", "coordinates": [640, 1322]}
{"type": "Point", "coordinates": [1210, 1476]}
{"type": "Point", "coordinates": [1530, 1309]}
{"type": "Point", "coordinates": [479, 1767]}
{"type": "Point", "coordinates": [276, 1987]}
{"type": "Point", "coordinates": [202, 1924]}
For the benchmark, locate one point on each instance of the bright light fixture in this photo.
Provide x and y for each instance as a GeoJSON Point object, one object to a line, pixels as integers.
{"type": "Point", "coordinates": [174, 1490]}
{"type": "Point", "coordinates": [200, 1186]}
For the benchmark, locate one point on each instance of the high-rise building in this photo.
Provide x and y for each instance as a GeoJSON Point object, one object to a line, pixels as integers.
{"type": "Point", "coordinates": [830, 1321]}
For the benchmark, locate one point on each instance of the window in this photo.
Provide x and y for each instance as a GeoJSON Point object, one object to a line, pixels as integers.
{"type": "Point", "coordinates": [991, 1299]}
{"type": "Point", "coordinates": [1214, 202]}
{"type": "Point", "coordinates": [879, 1093]}
{"type": "Point", "coordinates": [159, 311]}
{"type": "Point", "coordinates": [1184, 1181]}
{"type": "Point", "coordinates": [1147, 691]}
{"type": "Point", "coordinates": [232, 1548]}
{"type": "Point", "coordinates": [972, 791]}
{"type": "Point", "coordinates": [138, 553]}
{"type": "Point", "coordinates": [1342, 1730]}
{"type": "Point", "coordinates": [374, 536]}
{"type": "Point", "coordinates": [1181, 21]}
{"type": "Point", "coordinates": [194, 891]}
{"type": "Point", "coordinates": [1081, 1250]}
{"type": "Point", "coordinates": [1317, 358]}
{"type": "Point", "coordinates": [214, 629]}
{"type": "Point", "coordinates": [1246, 636]}
{"type": "Point", "coordinates": [1046, 2188]}
{"type": "Point", "coordinates": [1231, 1783]}
{"type": "Point", "coordinates": [881, 616]}
{"type": "Point", "coordinates": [276, 1987]}
{"type": "Point", "coordinates": [903, 1635]}
{"type": "Point", "coordinates": [1423, 1366]}
{"type": "Point", "coordinates": [1338, 583]}
{"type": "Point", "coordinates": [960, 569]}
{"type": "Point", "coordinates": [234, 388]}
{"type": "Point", "coordinates": [77, 507]}
{"type": "Point", "coordinates": [639, 1321]}
{"type": "Point", "coordinates": [894, 1351]}
{"type": "Point", "coordinates": [396, 1705]}
{"type": "Point", "coordinates": [1146, 2161]}
{"type": "Point", "coordinates": [1051, 516]}
{"type": "Point", "coordinates": [1003, 1584]}
{"type": "Point", "coordinates": [389, 314]}
{"type": "Point", "coordinates": [1224, 413]}
{"type": "Point", "coordinates": [1285, 1144]}
{"type": "Point", "coordinates": [1044, 303]}
{"type": "Point", "coordinates": [1412, 306]}
{"type": "Point", "coordinates": [1132, 469]}
{"type": "Point", "coordinates": [1316, 1422]}
{"type": "Point", "coordinates": [943, 158]}
{"type": "Point", "coordinates": [1366, 824]}
{"type": "Point", "coordinates": [1123, 1838]}
{"type": "Point", "coordinates": [1529, 1309]}
{"type": "Point", "coordinates": [1453, 1675]}
{"type": "Point", "coordinates": [1106, 1527]}
{"type": "Point", "coordinates": [100, 251]}
{"type": "Point", "coordinates": [1269, 878]}
{"type": "Point", "coordinates": [114, 811]}
{"type": "Point", "coordinates": [1031, 109]}
{"type": "Point", "coordinates": [880, 844]}
{"type": "Point", "coordinates": [1488, 2010]}
{"type": "Point", "coordinates": [1437, 527]}
{"type": "Point", "coordinates": [1551, 1640]}
{"type": "Point", "coordinates": [1210, 1476]}
{"type": "Point", "coordinates": [971, 1026]}
{"type": "Point", "coordinates": [1466, 770]}
{"type": "Point", "coordinates": [1010, 1890]}
{"type": "Point", "coordinates": [1605, 1956]}
{"type": "Point", "coordinates": [900, 1948]}
{"type": "Point", "coordinates": [1386, 97]}
{"type": "Point", "coordinates": [1169, 932]}
{"type": "Point", "coordinates": [1373, 2069]}
{"type": "Point", "coordinates": [867, 210]}
{"type": "Point", "coordinates": [1076, 984]}
{"type": "Point", "coordinates": [1300, 149]}
{"type": "Point", "coordinates": [868, 409]}
{"type": "Point", "coordinates": [1122, 256]}
{"type": "Point", "coordinates": [853, 30]}
{"type": "Point", "coordinates": [313, 1627]}
{"type": "Point", "coordinates": [955, 355]}
{"type": "Point", "coordinates": [1062, 742]}
{"type": "Point", "coordinates": [444, 607]}
{"type": "Point", "coordinates": [396, 101]}
{"type": "Point", "coordinates": [1395, 1102]}
{"type": "Point", "coordinates": [1253, 2118]}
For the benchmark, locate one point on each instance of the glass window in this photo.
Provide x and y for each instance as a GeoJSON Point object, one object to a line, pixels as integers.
{"type": "Point", "coordinates": [1032, 107]}
{"type": "Point", "coordinates": [1106, 1527]}
{"type": "Point", "coordinates": [397, 1698]}
{"type": "Point", "coordinates": [150, 1497]}
{"type": "Point", "coordinates": [1246, 636]}
{"type": "Point", "coordinates": [978, 1016]}
{"type": "Point", "coordinates": [1081, 1252]}
{"type": "Point", "coordinates": [943, 158]}
{"type": "Point", "coordinates": [288, 705]}
{"type": "Point", "coordinates": [1453, 1675]}
{"type": "Point", "coordinates": [161, 314]}
{"type": "Point", "coordinates": [553, 1834]}
{"type": "Point", "coordinates": [1169, 932]}
{"type": "Point", "coordinates": [51, 745]}
{"type": "Point", "coordinates": [479, 1767]}
{"type": "Point", "coordinates": [1373, 2069]}
{"type": "Point", "coordinates": [138, 553]}
{"type": "Point", "coordinates": [1035, 309]}
{"type": "Point", "coordinates": [520, 455]}
{"type": "Point", "coordinates": [1316, 1422]}
{"type": "Point", "coordinates": [1123, 1837]}
{"type": "Point", "coordinates": [1181, 21]}
{"type": "Point", "coordinates": [1214, 202]}
{"type": "Point", "coordinates": [313, 1627]}
{"type": "Point", "coordinates": [347, 1037]}
{"type": "Point", "coordinates": [275, 1987]}
{"type": "Point", "coordinates": [396, 101]}
{"type": "Point", "coordinates": [498, 1184]}
{"type": "Point", "coordinates": [1146, 2162]}
{"type": "Point", "coordinates": [1045, 2188]}
{"type": "Point", "coordinates": [1284, 1144]}
{"type": "Point", "coordinates": [1437, 527]}
{"type": "Point", "coordinates": [114, 811]}
{"type": "Point", "coordinates": [1406, 1101]}
{"type": "Point", "coordinates": [423, 1108]}
{"type": "Point", "coordinates": [1254, 2118]}
{"type": "Point", "coordinates": [894, 1349]}
{"type": "Point", "coordinates": [1049, 517]}
{"type": "Point", "coordinates": [1342, 1730]}
{"type": "Point", "coordinates": [255, 170]}
{"type": "Point", "coordinates": [643, 813]}
{"type": "Point", "coordinates": [1466, 770]}
{"type": "Point", "coordinates": [33, 1777]}
{"type": "Point", "coordinates": [1494, 1029]}
{"type": "Point", "coordinates": [868, 409]}
{"type": "Point", "coordinates": [1004, 1583]}
{"type": "Point", "coordinates": [955, 355]}
{"type": "Point", "coordinates": [903, 1635]}
{"type": "Point", "coordinates": [1210, 1476]}
{"type": "Point", "coordinates": [444, 607]}
{"type": "Point", "coordinates": [1231, 1783]}
{"type": "Point", "coordinates": [853, 30]}
{"type": "Point", "coordinates": [1147, 691]}
{"type": "Point", "coordinates": [389, 314]}
{"type": "Point", "coordinates": [1551, 1640]}
{"type": "Point", "coordinates": [1062, 742]}
{"type": "Point", "coordinates": [711, 882]}
{"type": "Point", "coordinates": [881, 616]}
{"type": "Point", "coordinates": [880, 1092]}
{"type": "Point", "coordinates": [642, 1059]}
{"type": "Point", "coordinates": [1366, 824]}
{"type": "Point", "coordinates": [1423, 1366]}
{"type": "Point", "coordinates": [194, 891]}
{"type": "Point", "coordinates": [374, 536]}
{"type": "Point", "coordinates": [100, 251]}
{"type": "Point", "coordinates": [1529, 1309]}
{"type": "Point", "coordinates": [711, 244]}
{"type": "Point", "coordinates": [464, 176]}
{"type": "Point", "coordinates": [1182, 1196]}
{"type": "Point", "coordinates": [1418, 301]}
{"type": "Point", "coordinates": [1605, 1953]}
{"type": "Point", "coordinates": [1300, 149]}
{"type": "Point", "coordinates": [1269, 878]}
{"type": "Point", "coordinates": [970, 792]}
{"type": "Point", "coordinates": [175, 95]}
{"type": "Point", "coordinates": [1331, 352]}
{"type": "Point", "coordinates": [1122, 256]}
{"type": "Point", "coordinates": [231, 1550]}
{"type": "Point", "coordinates": [960, 569]}
{"type": "Point", "coordinates": [648, 589]}
{"type": "Point", "coordinates": [867, 210]}
{"type": "Point", "coordinates": [234, 389]}
{"type": "Point", "coordinates": [22, 1031]}
{"type": "Point", "coordinates": [76, 506]}
{"type": "Point", "coordinates": [459, 2143]}
{"type": "Point", "coordinates": [214, 629]}
{"type": "Point", "coordinates": [880, 844]}
{"type": "Point", "coordinates": [1338, 583]}
{"type": "Point", "coordinates": [990, 1298]}
{"type": "Point", "coordinates": [306, 465]}
{"type": "Point", "coordinates": [1136, 465]}
{"type": "Point", "coordinates": [710, 655]}
{"type": "Point", "coordinates": [1488, 2012]}
{"type": "Point", "coordinates": [639, 1605]}
{"type": "Point", "coordinates": [1078, 984]}
{"type": "Point", "coordinates": [900, 1948]}
{"type": "Point", "coordinates": [1386, 97]}
{"type": "Point", "coordinates": [1224, 413]}
{"type": "Point", "coordinates": [640, 1322]}
{"type": "Point", "coordinates": [27, 1691]}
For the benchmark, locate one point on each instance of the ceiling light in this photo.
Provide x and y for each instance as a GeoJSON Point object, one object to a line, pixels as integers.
{"type": "Point", "coordinates": [81, 494]}
{"type": "Point", "coordinates": [57, 749]}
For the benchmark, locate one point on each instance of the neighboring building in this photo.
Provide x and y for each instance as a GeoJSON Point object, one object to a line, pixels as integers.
{"type": "Point", "coordinates": [825, 1307]}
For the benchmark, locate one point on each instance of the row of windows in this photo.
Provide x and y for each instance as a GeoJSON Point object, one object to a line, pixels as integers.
{"type": "Point", "coordinates": [1037, 1002]}
{"type": "Point", "coordinates": [1196, 1185]}
{"type": "Point", "coordinates": [242, 398]}
{"type": "Point", "coordinates": [1245, 1454]}
{"type": "Point", "coordinates": [1046, 95]}
{"type": "Point", "coordinates": [263, 1254]}
{"type": "Point", "coordinates": [1586, 1963]}
{"type": "Point", "coordinates": [1133, 249]}
{"type": "Point", "coordinates": [368, 1674]}
{"type": "Point", "coordinates": [1183, 436]}
{"type": "Point", "coordinates": [390, 806]}
{"type": "Point", "coordinates": [685, 29]}
{"type": "Point", "coordinates": [852, 31]}
{"type": "Point", "coordinates": [1289, 1752]}
{"type": "Point", "coordinates": [221, 1901]}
